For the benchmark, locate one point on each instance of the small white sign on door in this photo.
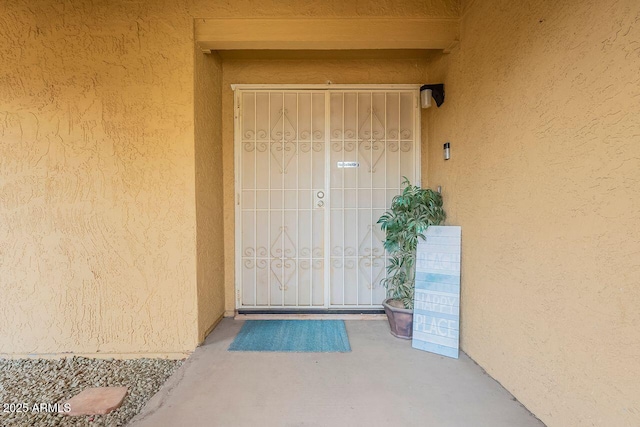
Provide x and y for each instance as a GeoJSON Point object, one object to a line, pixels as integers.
{"type": "Point", "coordinates": [348, 164]}
{"type": "Point", "coordinates": [436, 310]}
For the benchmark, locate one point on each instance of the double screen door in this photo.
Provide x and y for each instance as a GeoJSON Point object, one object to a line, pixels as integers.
{"type": "Point", "coordinates": [315, 169]}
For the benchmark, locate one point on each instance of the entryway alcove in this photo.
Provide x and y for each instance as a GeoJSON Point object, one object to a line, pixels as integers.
{"type": "Point", "coordinates": [326, 122]}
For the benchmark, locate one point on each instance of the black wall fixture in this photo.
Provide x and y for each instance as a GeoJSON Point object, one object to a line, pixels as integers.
{"type": "Point", "coordinates": [437, 92]}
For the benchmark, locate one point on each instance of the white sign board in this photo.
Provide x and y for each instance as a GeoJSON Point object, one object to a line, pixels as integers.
{"type": "Point", "coordinates": [436, 309]}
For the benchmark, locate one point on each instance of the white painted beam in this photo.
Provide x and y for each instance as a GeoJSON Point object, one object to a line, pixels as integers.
{"type": "Point", "coordinates": [325, 34]}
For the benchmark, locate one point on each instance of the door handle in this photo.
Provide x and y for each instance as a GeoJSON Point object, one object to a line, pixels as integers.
{"type": "Point", "coordinates": [320, 194]}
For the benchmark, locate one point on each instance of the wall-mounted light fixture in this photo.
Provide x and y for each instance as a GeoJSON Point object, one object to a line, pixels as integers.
{"type": "Point", "coordinates": [431, 91]}
{"type": "Point", "coordinates": [447, 151]}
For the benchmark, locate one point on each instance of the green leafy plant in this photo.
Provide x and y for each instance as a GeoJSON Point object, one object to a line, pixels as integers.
{"type": "Point", "coordinates": [409, 216]}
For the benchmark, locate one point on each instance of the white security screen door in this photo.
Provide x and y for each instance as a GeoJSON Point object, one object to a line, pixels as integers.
{"type": "Point", "coordinates": [315, 169]}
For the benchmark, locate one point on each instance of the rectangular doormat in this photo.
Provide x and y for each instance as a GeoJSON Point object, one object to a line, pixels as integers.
{"type": "Point", "coordinates": [303, 336]}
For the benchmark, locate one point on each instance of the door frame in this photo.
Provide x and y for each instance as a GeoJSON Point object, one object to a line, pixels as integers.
{"type": "Point", "coordinates": [238, 89]}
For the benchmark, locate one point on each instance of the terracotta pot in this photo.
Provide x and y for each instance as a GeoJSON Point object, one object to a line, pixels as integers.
{"type": "Point", "coordinates": [400, 320]}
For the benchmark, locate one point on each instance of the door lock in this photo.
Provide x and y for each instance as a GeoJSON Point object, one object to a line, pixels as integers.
{"type": "Point", "coordinates": [319, 199]}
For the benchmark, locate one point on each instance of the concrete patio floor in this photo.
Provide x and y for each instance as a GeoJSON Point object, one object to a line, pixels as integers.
{"type": "Point", "coordinates": [382, 381]}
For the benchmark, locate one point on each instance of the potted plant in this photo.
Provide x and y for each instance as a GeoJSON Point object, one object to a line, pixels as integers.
{"type": "Point", "coordinates": [410, 214]}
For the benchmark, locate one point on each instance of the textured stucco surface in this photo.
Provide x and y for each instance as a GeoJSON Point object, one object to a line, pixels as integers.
{"type": "Point", "coordinates": [98, 224]}
{"type": "Point", "coordinates": [208, 158]}
{"type": "Point", "coordinates": [325, 8]}
{"type": "Point", "coordinates": [543, 116]}
{"type": "Point", "coordinates": [97, 212]}
{"type": "Point", "coordinates": [301, 71]}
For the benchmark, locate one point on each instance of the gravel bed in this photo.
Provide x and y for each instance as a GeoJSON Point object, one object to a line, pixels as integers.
{"type": "Point", "coordinates": [26, 382]}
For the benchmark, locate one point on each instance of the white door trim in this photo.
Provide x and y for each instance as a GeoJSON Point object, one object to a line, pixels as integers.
{"type": "Point", "coordinates": [328, 86]}
{"type": "Point", "coordinates": [238, 89]}
{"type": "Point", "coordinates": [327, 211]}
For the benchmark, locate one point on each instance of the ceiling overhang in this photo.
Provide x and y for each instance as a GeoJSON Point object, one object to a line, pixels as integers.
{"type": "Point", "coordinates": [325, 34]}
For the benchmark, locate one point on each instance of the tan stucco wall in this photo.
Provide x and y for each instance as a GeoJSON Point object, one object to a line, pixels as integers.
{"type": "Point", "coordinates": [98, 201]}
{"type": "Point", "coordinates": [208, 165]}
{"type": "Point", "coordinates": [97, 212]}
{"type": "Point", "coordinates": [543, 116]}
{"type": "Point", "coordinates": [302, 71]}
